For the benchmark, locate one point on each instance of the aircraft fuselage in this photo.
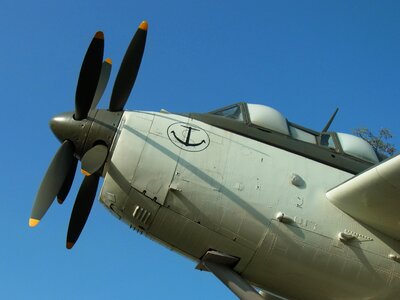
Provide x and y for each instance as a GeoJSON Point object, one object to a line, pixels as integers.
{"type": "Point", "coordinates": [195, 187]}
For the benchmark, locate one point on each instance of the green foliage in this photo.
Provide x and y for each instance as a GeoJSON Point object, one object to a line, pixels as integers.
{"type": "Point", "coordinates": [378, 142]}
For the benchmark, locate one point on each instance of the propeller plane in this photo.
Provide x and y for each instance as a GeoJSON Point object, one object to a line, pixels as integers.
{"type": "Point", "coordinates": [273, 209]}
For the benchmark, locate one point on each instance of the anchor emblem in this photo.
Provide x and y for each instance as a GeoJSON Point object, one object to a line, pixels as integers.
{"type": "Point", "coordinates": [189, 138]}
{"type": "Point", "coordinates": [187, 143]}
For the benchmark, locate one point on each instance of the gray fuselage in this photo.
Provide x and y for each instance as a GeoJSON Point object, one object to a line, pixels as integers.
{"type": "Point", "coordinates": [195, 187]}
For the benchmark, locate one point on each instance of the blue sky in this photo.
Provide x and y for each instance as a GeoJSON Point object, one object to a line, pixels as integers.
{"type": "Point", "coordinates": [304, 58]}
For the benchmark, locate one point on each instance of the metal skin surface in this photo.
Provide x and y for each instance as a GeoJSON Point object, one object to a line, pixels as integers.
{"type": "Point", "coordinates": [226, 197]}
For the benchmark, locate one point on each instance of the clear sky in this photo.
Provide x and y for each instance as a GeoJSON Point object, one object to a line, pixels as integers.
{"type": "Point", "coordinates": [304, 58]}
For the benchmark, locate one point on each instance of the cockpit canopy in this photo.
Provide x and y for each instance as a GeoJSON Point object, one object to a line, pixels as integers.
{"type": "Point", "coordinates": [268, 118]}
{"type": "Point", "coordinates": [357, 147]}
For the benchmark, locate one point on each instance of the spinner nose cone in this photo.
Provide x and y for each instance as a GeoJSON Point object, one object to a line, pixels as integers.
{"type": "Point", "coordinates": [61, 126]}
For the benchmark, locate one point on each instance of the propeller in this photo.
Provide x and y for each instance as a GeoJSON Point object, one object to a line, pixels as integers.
{"type": "Point", "coordinates": [129, 69]}
{"type": "Point", "coordinates": [64, 190]}
{"type": "Point", "coordinates": [89, 76]}
{"type": "Point", "coordinates": [52, 182]}
{"type": "Point", "coordinates": [103, 80]}
{"type": "Point", "coordinates": [83, 205]}
{"type": "Point", "coordinates": [74, 130]}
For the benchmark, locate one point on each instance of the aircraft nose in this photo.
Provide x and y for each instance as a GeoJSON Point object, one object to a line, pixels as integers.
{"type": "Point", "coordinates": [60, 125]}
{"type": "Point", "coordinates": [65, 127]}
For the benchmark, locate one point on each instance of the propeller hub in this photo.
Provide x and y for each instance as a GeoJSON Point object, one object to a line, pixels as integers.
{"type": "Point", "coordinates": [65, 127]}
{"type": "Point", "coordinates": [100, 126]}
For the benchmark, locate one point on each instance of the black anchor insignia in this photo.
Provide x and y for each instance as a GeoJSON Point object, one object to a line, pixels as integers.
{"type": "Point", "coordinates": [187, 143]}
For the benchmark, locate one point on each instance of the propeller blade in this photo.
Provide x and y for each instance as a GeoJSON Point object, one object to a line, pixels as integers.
{"type": "Point", "coordinates": [101, 86]}
{"type": "Point", "coordinates": [93, 159]}
{"type": "Point", "coordinates": [83, 205]}
{"type": "Point", "coordinates": [63, 193]}
{"type": "Point", "coordinates": [89, 76]}
{"type": "Point", "coordinates": [52, 181]}
{"type": "Point", "coordinates": [129, 69]}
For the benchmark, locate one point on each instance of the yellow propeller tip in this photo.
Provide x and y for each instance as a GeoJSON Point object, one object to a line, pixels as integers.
{"type": "Point", "coordinates": [99, 35]}
{"type": "Point", "coordinates": [85, 172]}
{"type": "Point", "coordinates": [33, 222]}
{"type": "Point", "coordinates": [144, 25]}
{"type": "Point", "coordinates": [109, 61]}
{"type": "Point", "coordinates": [70, 245]}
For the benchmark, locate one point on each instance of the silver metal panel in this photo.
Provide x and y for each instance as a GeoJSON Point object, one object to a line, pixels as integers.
{"type": "Point", "coordinates": [158, 159]}
{"type": "Point", "coordinates": [130, 206]}
{"type": "Point", "coordinates": [113, 195]}
{"type": "Point", "coordinates": [129, 145]}
{"type": "Point", "coordinates": [192, 239]}
{"type": "Point", "coordinates": [208, 189]}
{"type": "Point", "coordinates": [125, 154]}
{"type": "Point", "coordinates": [139, 211]}
{"type": "Point", "coordinates": [251, 189]}
{"type": "Point", "coordinates": [196, 186]}
{"type": "Point", "coordinates": [293, 262]}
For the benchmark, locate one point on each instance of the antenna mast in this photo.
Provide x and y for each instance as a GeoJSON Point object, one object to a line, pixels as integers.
{"type": "Point", "coordinates": [330, 120]}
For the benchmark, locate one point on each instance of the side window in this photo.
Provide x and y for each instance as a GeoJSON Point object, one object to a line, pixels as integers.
{"type": "Point", "coordinates": [302, 135]}
{"type": "Point", "coordinates": [326, 140]}
{"type": "Point", "coordinates": [233, 112]}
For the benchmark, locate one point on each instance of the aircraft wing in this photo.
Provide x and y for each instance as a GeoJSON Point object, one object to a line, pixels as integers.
{"type": "Point", "coordinates": [373, 197]}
